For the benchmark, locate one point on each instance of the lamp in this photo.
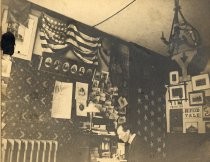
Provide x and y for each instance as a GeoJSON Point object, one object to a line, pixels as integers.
{"type": "Point", "coordinates": [183, 35]}
{"type": "Point", "coordinates": [91, 108]}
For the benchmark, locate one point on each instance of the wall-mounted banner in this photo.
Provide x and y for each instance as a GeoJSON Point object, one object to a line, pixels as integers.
{"type": "Point", "coordinates": [193, 112]}
{"type": "Point", "coordinates": [65, 67]}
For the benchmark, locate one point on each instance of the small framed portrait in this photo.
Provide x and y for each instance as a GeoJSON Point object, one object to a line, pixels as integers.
{"type": "Point", "coordinates": [80, 108]}
{"type": "Point", "coordinates": [196, 98]}
{"type": "Point", "coordinates": [104, 76]}
{"type": "Point", "coordinates": [95, 84]}
{"type": "Point", "coordinates": [97, 75]}
{"type": "Point", "coordinates": [81, 91]}
{"type": "Point", "coordinates": [121, 120]}
{"type": "Point", "coordinates": [122, 102]}
{"type": "Point", "coordinates": [89, 72]}
{"type": "Point", "coordinates": [57, 64]}
{"type": "Point", "coordinates": [122, 111]}
{"type": "Point", "coordinates": [206, 113]}
{"type": "Point", "coordinates": [48, 62]}
{"type": "Point", "coordinates": [174, 77]}
{"type": "Point", "coordinates": [177, 92]}
{"type": "Point", "coordinates": [200, 82]}
{"type": "Point", "coordinates": [81, 70]}
{"type": "Point", "coordinates": [74, 69]}
{"type": "Point", "coordinates": [65, 66]}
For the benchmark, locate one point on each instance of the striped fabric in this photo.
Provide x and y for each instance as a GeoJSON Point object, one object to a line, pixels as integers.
{"type": "Point", "coordinates": [56, 35]}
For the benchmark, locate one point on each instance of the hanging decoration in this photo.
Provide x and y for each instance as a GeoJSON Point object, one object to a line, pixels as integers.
{"type": "Point", "coordinates": [183, 41]}
{"type": "Point", "coordinates": [183, 35]}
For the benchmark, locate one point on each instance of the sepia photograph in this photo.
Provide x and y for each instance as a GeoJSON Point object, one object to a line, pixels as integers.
{"type": "Point", "coordinates": [105, 81]}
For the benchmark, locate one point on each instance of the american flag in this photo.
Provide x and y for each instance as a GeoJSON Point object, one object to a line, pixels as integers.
{"type": "Point", "coordinates": [56, 35]}
{"type": "Point", "coordinates": [151, 124]}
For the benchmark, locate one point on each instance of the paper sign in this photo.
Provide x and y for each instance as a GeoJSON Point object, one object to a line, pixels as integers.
{"type": "Point", "coordinates": [62, 100]}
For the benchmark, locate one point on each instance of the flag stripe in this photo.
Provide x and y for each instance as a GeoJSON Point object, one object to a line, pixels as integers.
{"type": "Point", "coordinates": [72, 38]}
{"type": "Point", "coordinates": [57, 35]}
{"type": "Point", "coordinates": [83, 58]}
{"type": "Point", "coordinates": [89, 56]}
{"type": "Point", "coordinates": [71, 27]}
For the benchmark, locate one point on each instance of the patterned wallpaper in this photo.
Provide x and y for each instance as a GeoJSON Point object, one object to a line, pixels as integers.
{"type": "Point", "coordinates": [27, 111]}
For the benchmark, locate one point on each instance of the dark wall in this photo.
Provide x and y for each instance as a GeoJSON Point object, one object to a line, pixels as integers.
{"type": "Point", "coordinates": [149, 73]}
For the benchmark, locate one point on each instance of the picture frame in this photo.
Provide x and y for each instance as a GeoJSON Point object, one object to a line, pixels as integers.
{"type": "Point", "coordinates": [81, 91]}
{"type": "Point", "coordinates": [174, 77]}
{"type": "Point", "coordinates": [80, 108]}
{"type": "Point", "coordinates": [196, 98]}
{"type": "Point", "coordinates": [104, 76]}
{"type": "Point", "coordinates": [206, 113]}
{"type": "Point", "coordinates": [200, 82]}
{"type": "Point", "coordinates": [122, 102]}
{"type": "Point", "coordinates": [177, 92]}
{"type": "Point", "coordinates": [25, 36]}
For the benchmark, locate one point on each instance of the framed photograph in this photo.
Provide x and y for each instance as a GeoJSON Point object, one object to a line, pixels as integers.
{"type": "Point", "coordinates": [81, 92]}
{"type": "Point", "coordinates": [200, 82]}
{"type": "Point", "coordinates": [206, 113]}
{"type": "Point", "coordinates": [122, 102]}
{"type": "Point", "coordinates": [80, 107]}
{"type": "Point", "coordinates": [177, 92]}
{"type": "Point", "coordinates": [104, 76]}
{"type": "Point", "coordinates": [25, 36]}
{"type": "Point", "coordinates": [196, 98]}
{"type": "Point", "coordinates": [174, 77]}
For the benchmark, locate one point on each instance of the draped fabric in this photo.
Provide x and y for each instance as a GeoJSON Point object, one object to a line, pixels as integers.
{"type": "Point", "coordinates": [56, 35]}
{"type": "Point", "coordinates": [151, 121]}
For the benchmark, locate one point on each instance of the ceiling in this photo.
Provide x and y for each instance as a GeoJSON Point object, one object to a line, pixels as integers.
{"type": "Point", "coordinates": [141, 22]}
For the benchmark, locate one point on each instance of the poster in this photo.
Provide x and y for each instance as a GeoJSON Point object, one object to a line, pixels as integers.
{"type": "Point", "coordinates": [62, 100]}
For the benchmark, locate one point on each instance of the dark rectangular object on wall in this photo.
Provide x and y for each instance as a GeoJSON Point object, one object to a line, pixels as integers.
{"type": "Point", "coordinates": [176, 121]}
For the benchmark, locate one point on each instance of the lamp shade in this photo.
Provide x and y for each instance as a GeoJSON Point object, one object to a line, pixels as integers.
{"type": "Point", "coordinates": [91, 108]}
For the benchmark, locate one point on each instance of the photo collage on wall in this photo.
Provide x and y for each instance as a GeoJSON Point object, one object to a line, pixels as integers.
{"type": "Point", "coordinates": [107, 98]}
{"type": "Point", "coordinates": [66, 67]}
{"type": "Point", "coordinates": [193, 93]}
